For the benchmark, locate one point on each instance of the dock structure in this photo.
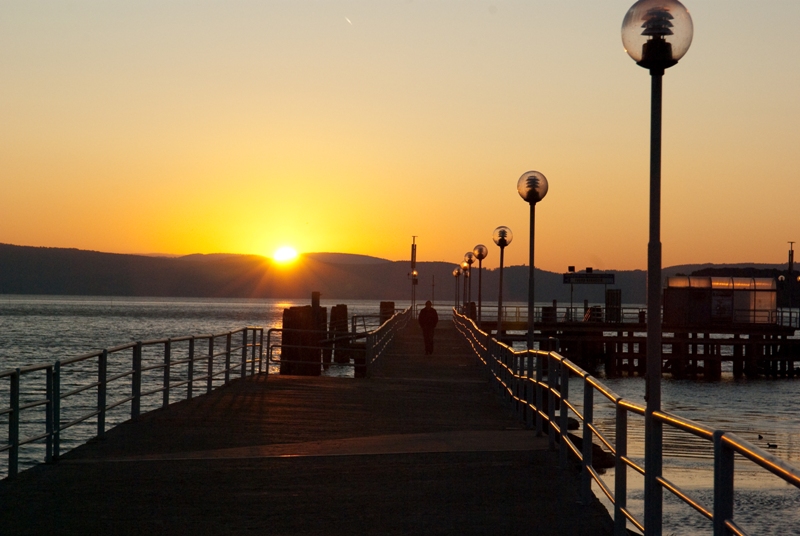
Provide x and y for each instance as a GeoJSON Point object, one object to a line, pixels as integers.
{"type": "Point", "coordinates": [422, 446]}
{"type": "Point", "coordinates": [687, 351]}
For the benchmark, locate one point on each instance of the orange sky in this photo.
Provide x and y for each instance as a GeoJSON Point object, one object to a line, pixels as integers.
{"type": "Point", "coordinates": [183, 127]}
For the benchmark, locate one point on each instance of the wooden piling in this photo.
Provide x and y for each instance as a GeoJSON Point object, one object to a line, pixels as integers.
{"type": "Point", "coordinates": [339, 328]}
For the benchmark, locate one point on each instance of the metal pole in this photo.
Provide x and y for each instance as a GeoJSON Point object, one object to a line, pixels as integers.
{"type": "Point", "coordinates": [469, 288]}
{"type": "Point", "coordinates": [464, 295]}
{"type": "Point", "coordinates": [653, 495]}
{"type": "Point", "coordinates": [531, 278]}
{"type": "Point", "coordinates": [500, 298]}
{"type": "Point", "coordinates": [480, 286]}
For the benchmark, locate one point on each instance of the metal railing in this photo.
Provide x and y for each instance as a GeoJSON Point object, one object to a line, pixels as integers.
{"type": "Point", "coordinates": [380, 340]}
{"type": "Point", "coordinates": [525, 377]}
{"type": "Point", "coordinates": [87, 387]}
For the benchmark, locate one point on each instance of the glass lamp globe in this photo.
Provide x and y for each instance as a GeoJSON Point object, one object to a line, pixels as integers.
{"type": "Point", "coordinates": [657, 33]}
{"type": "Point", "coordinates": [456, 272]}
{"type": "Point", "coordinates": [532, 186]}
{"type": "Point", "coordinates": [781, 278]}
{"type": "Point", "coordinates": [480, 251]}
{"type": "Point", "coordinates": [502, 236]}
{"type": "Point", "coordinates": [469, 258]}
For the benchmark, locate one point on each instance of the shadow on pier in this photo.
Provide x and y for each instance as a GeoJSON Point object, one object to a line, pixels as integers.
{"type": "Point", "coordinates": [421, 447]}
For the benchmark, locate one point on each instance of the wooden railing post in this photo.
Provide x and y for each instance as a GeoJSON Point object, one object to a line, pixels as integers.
{"type": "Point", "coordinates": [102, 374]}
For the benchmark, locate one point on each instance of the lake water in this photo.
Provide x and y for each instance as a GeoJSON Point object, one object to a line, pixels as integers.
{"type": "Point", "coordinates": [36, 330]}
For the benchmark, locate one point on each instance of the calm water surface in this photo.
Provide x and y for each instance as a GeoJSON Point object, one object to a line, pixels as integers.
{"type": "Point", "coordinates": [36, 330]}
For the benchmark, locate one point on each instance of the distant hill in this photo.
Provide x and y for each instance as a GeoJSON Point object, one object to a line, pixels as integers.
{"type": "Point", "coordinates": [345, 258]}
{"type": "Point", "coordinates": [59, 271]}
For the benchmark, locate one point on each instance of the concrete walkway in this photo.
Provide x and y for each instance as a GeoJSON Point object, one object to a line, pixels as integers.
{"type": "Point", "coordinates": [422, 447]}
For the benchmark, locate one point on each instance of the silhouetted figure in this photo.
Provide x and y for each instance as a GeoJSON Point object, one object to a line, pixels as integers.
{"type": "Point", "coordinates": [428, 318]}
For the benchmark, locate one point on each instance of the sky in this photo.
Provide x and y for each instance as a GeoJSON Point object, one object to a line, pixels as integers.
{"type": "Point", "coordinates": [242, 126]}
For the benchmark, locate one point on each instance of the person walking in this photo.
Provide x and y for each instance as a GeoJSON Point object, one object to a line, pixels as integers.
{"type": "Point", "coordinates": [428, 318]}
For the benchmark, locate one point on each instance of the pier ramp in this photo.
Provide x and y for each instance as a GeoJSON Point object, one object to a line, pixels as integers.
{"type": "Point", "coordinates": [421, 447]}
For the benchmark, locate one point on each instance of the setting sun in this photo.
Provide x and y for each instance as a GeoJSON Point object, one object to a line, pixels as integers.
{"type": "Point", "coordinates": [285, 254]}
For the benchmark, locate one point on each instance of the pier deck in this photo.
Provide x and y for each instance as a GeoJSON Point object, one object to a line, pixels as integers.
{"type": "Point", "coordinates": [421, 447]}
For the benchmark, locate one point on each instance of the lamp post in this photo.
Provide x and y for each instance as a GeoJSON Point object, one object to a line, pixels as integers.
{"type": "Point", "coordinates": [480, 251]}
{"type": "Point", "coordinates": [456, 275]}
{"type": "Point", "coordinates": [502, 236]}
{"type": "Point", "coordinates": [465, 272]}
{"type": "Point", "coordinates": [791, 281]}
{"type": "Point", "coordinates": [414, 274]}
{"type": "Point", "coordinates": [532, 187]}
{"type": "Point", "coordinates": [469, 258]}
{"type": "Point", "coordinates": [656, 34]}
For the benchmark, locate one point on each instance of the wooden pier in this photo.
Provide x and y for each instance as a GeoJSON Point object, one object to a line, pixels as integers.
{"type": "Point", "coordinates": [687, 352]}
{"type": "Point", "coordinates": [421, 447]}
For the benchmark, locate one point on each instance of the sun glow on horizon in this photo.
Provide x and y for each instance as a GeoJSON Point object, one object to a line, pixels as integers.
{"type": "Point", "coordinates": [285, 254]}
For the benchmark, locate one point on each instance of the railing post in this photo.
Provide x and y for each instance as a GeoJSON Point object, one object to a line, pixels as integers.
{"type": "Point", "coordinates": [552, 383]}
{"type": "Point", "coordinates": [588, 419]}
{"type": "Point", "coordinates": [190, 371]}
{"type": "Point", "coordinates": [136, 381]}
{"type": "Point", "coordinates": [620, 472]}
{"type": "Point", "coordinates": [539, 393]}
{"type": "Point", "coordinates": [723, 484]}
{"type": "Point", "coordinates": [253, 356]}
{"type": "Point", "coordinates": [244, 353]}
{"type": "Point", "coordinates": [13, 426]}
{"type": "Point", "coordinates": [564, 414]}
{"type": "Point", "coordinates": [56, 401]}
{"type": "Point", "coordinates": [370, 354]}
{"type": "Point", "coordinates": [210, 374]}
{"type": "Point", "coordinates": [102, 374]}
{"type": "Point", "coordinates": [261, 352]}
{"type": "Point", "coordinates": [48, 456]}
{"type": "Point", "coordinates": [227, 357]}
{"type": "Point", "coordinates": [529, 390]}
{"type": "Point", "coordinates": [167, 371]}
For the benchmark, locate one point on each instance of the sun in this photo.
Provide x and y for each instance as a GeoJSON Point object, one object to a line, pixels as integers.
{"type": "Point", "coordinates": [284, 254]}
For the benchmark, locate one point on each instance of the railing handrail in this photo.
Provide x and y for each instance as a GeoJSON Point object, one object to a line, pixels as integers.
{"type": "Point", "coordinates": [512, 371]}
{"type": "Point", "coordinates": [250, 347]}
